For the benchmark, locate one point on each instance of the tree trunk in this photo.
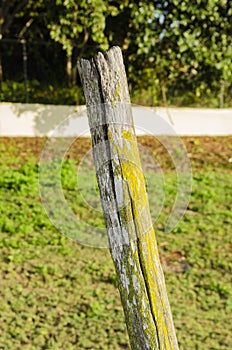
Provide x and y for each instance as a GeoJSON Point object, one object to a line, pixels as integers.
{"type": "Point", "coordinates": [1, 72]}
{"type": "Point", "coordinates": [1, 37]}
{"type": "Point", "coordinates": [74, 75]}
{"type": "Point", "coordinates": [125, 205]}
{"type": "Point", "coordinates": [222, 93]}
{"type": "Point", "coordinates": [69, 69]}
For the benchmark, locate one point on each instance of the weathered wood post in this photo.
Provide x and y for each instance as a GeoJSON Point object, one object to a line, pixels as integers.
{"type": "Point", "coordinates": [124, 200]}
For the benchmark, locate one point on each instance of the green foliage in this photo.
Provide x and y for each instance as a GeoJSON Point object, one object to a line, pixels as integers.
{"type": "Point", "coordinates": [198, 42]}
{"type": "Point", "coordinates": [78, 26]}
{"type": "Point", "coordinates": [78, 22]}
{"type": "Point", "coordinates": [185, 47]}
{"type": "Point", "coordinates": [15, 92]}
{"type": "Point", "coordinates": [175, 52]}
{"type": "Point", "coordinates": [56, 294]}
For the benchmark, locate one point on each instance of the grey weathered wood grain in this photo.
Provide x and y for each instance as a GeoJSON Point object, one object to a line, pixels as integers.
{"type": "Point", "coordinates": [124, 200]}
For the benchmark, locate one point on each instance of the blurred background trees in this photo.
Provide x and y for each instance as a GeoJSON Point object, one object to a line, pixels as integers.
{"type": "Point", "coordinates": [176, 52]}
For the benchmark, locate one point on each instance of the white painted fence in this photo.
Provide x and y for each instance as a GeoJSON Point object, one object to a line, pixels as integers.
{"type": "Point", "coordinates": [42, 120]}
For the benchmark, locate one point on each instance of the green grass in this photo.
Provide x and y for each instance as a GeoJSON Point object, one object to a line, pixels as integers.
{"type": "Point", "coordinates": [57, 294]}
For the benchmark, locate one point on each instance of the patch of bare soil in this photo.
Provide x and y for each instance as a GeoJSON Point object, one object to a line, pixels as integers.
{"type": "Point", "coordinates": [202, 151]}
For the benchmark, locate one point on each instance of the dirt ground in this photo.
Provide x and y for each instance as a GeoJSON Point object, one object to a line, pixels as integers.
{"type": "Point", "coordinates": [202, 151]}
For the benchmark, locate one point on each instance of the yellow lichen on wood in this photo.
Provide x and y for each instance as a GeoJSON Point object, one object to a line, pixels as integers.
{"type": "Point", "coordinates": [129, 169]}
{"type": "Point", "coordinates": [147, 252]}
{"type": "Point", "coordinates": [139, 300]}
{"type": "Point", "coordinates": [127, 135]}
{"type": "Point", "coordinates": [122, 186]}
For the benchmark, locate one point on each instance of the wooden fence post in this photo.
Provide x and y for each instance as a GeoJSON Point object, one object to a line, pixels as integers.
{"type": "Point", "coordinates": [124, 200]}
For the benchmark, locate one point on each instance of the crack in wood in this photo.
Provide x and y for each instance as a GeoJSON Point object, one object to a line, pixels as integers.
{"type": "Point", "coordinates": [141, 266]}
{"type": "Point", "coordinates": [107, 139]}
{"type": "Point", "coordinates": [141, 282]}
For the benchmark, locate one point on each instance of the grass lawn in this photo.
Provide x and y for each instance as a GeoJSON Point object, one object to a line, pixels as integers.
{"type": "Point", "coordinates": [57, 294]}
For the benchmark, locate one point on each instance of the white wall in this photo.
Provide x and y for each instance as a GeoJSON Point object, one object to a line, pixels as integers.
{"type": "Point", "coordinates": [42, 120]}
